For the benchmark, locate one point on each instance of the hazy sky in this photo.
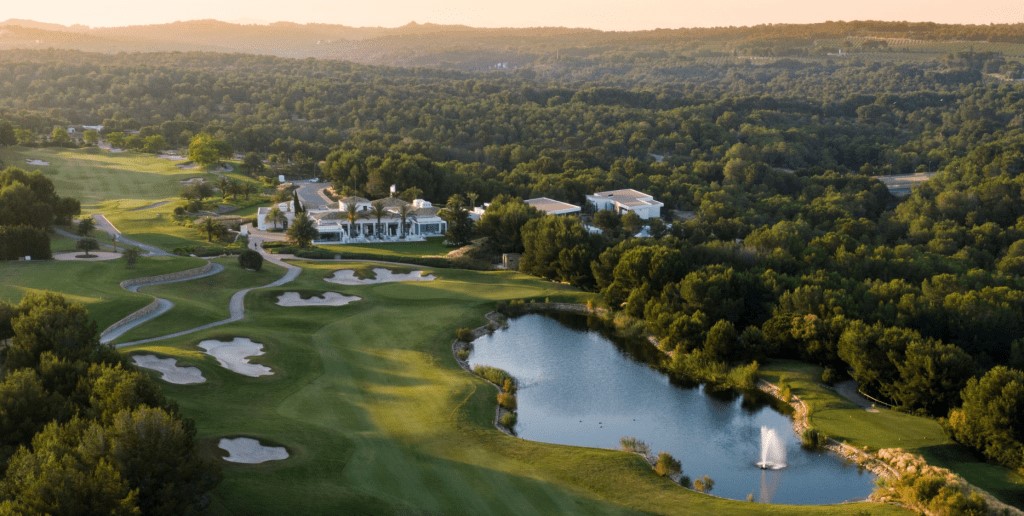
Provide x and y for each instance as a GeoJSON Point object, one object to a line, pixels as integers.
{"type": "Point", "coordinates": [600, 14]}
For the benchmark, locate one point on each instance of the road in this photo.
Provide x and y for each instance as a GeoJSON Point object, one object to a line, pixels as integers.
{"type": "Point", "coordinates": [311, 194]}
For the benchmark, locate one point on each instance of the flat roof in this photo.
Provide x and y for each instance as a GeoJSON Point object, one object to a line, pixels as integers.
{"type": "Point", "coordinates": [551, 206]}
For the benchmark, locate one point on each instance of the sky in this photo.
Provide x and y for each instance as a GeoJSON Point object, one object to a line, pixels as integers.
{"type": "Point", "coordinates": [598, 14]}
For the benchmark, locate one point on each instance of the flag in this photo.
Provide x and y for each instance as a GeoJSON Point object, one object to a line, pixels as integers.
{"type": "Point", "coordinates": [393, 189]}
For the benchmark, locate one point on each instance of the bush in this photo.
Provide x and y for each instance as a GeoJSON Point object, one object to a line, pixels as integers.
{"type": "Point", "coordinates": [667, 465]}
{"type": "Point", "coordinates": [463, 353]}
{"type": "Point", "coordinates": [250, 260]}
{"type": "Point", "coordinates": [464, 334]}
{"type": "Point", "coordinates": [508, 420]}
{"type": "Point", "coordinates": [829, 376]}
{"type": "Point", "coordinates": [507, 400]}
{"type": "Point", "coordinates": [812, 439]}
{"type": "Point", "coordinates": [634, 445]}
{"type": "Point", "coordinates": [492, 374]}
{"type": "Point", "coordinates": [19, 241]}
{"type": "Point", "coordinates": [704, 484]}
{"type": "Point", "coordinates": [315, 254]}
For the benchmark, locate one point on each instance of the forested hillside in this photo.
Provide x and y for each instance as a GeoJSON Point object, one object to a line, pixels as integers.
{"type": "Point", "coordinates": [792, 249]}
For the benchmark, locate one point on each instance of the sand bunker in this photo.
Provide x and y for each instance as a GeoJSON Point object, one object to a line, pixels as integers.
{"type": "Point", "coordinates": [37, 162]}
{"type": "Point", "coordinates": [245, 450]}
{"type": "Point", "coordinates": [325, 299]}
{"type": "Point", "coordinates": [234, 355]}
{"type": "Point", "coordinates": [348, 277]}
{"type": "Point", "coordinates": [172, 157]}
{"type": "Point", "coordinates": [169, 370]}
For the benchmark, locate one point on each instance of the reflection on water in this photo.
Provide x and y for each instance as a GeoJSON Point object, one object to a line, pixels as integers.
{"type": "Point", "coordinates": [578, 387]}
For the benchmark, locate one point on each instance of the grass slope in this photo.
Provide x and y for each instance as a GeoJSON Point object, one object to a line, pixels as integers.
{"type": "Point", "coordinates": [95, 284]}
{"type": "Point", "coordinates": [845, 421]}
{"type": "Point", "coordinates": [379, 418]}
{"type": "Point", "coordinates": [137, 192]}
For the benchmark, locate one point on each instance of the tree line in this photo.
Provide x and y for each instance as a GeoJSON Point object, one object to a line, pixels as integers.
{"type": "Point", "coordinates": [82, 431]}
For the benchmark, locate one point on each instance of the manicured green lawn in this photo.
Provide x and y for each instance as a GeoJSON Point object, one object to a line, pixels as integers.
{"type": "Point", "coordinates": [137, 192]}
{"type": "Point", "coordinates": [843, 420]}
{"type": "Point", "coordinates": [379, 418]}
{"type": "Point", "coordinates": [389, 251]}
{"type": "Point", "coordinates": [201, 301]}
{"type": "Point", "coordinates": [96, 284]}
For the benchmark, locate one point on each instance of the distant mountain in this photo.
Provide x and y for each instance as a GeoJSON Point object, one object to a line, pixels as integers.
{"type": "Point", "coordinates": [468, 48]}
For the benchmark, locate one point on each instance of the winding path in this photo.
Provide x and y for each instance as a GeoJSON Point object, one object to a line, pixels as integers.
{"type": "Point", "coordinates": [236, 307]}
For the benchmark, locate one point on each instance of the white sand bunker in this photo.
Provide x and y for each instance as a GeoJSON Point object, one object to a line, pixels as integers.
{"type": "Point", "coordinates": [348, 277]}
{"type": "Point", "coordinates": [169, 369]}
{"type": "Point", "coordinates": [325, 299]}
{"type": "Point", "coordinates": [244, 450]}
{"type": "Point", "coordinates": [37, 162]}
{"type": "Point", "coordinates": [234, 355]}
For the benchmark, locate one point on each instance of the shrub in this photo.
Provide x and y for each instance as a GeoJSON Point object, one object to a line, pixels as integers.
{"type": "Point", "coordinates": [464, 334]}
{"type": "Point", "coordinates": [667, 465]}
{"type": "Point", "coordinates": [250, 260]}
{"type": "Point", "coordinates": [634, 445]}
{"type": "Point", "coordinates": [19, 241]}
{"type": "Point", "coordinates": [812, 439]}
{"type": "Point", "coordinates": [744, 377]}
{"type": "Point", "coordinates": [785, 390]}
{"type": "Point", "coordinates": [829, 376]}
{"type": "Point", "coordinates": [704, 484]}
{"type": "Point", "coordinates": [462, 353]}
{"type": "Point", "coordinates": [509, 386]}
{"type": "Point", "coordinates": [508, 420]}
{"type": "Point", "coordinates": [492, 374]}
{"type": "Point", "coordinates": [507, 400]}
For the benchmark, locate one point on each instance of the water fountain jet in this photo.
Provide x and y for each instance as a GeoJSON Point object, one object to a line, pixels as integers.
{"type": "Point", "coordinates": [773, 450]}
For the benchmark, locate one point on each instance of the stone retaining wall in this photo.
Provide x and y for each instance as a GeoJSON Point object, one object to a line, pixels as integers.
{"type": "Point", "coordinates": [137, 283]}
{"type": "Point", "coordinates": [133, 285]}
{"type": "Point", "coordinates": [132, 317]}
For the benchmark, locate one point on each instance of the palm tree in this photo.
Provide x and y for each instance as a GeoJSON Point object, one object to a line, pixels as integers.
{"type": "Point", "coordinates": [352, 214]}
{"type": "Point", "coordinates": [210, 227]}
{"type": "Point", "coordinates": [406, 212]}
{"type": "Point", "coordinates": [275, 215]}
{"type": "Point", "coordinates": [378, 210]}
{"type": "Point", "coordinates": [472, 196]}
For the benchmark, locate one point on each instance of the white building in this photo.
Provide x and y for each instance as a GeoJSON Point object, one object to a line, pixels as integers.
{"type": "Point", "coordinates": [421, 221]}
{"type": "Point", "coordinates": [622, 201]}
{"type": "Point", "coordinates": [552, 207]}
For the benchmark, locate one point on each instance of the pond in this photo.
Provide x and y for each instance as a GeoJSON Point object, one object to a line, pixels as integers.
{"type": "Point", "coordinates": [579, 387]}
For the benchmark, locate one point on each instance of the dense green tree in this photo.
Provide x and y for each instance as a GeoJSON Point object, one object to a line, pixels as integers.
{"type": "Point", "coordinates": [303, 231]}
{"type": "Point", "coordinates": [85, 226]}
{"type": "Point", "coordinates": [460, 226]}
{"type": "Point", "coordinates": [558, 248]}
{"type": "Point", "coordinates": [206, 150]}
{"type": "Point", "coordinates": [250, 260]}
{"type": "Point", "coordinates": [131, 256]}
{"type": "Point", "coordinates": [211, 228]}
{"type": "Point", "coordinates": [992, 416]}
{"type": "Point", "coordinates": [252, 164]}
{"type": "Point", "coordinates": [931, 375]}
{"type": "Point", "coordinates": [48, 322]}
{"type": "Point", "coordinates": [87, 245]}
{"type": "Point", "coordinates": [502, 224]}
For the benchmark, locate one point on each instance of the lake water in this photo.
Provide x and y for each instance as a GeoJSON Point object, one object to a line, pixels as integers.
{"type": "Point", "coordinates": [578, 387]}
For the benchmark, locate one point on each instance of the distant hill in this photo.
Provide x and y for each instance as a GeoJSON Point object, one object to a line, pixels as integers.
{"type": "Point", "coordinates": [468, 48]}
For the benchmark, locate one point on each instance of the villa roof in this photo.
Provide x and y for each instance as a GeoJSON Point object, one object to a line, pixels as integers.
{"type": "Point", "coordinates": [354, 199]}
{"type": "Point", "coordinates": [426, 212]}
{"type": "Point", "coordinates": [622, 195]}
{"type": "Point", "coordinates": [392, 202]}
{"type": "Point", "coordinates": [551, 206]}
